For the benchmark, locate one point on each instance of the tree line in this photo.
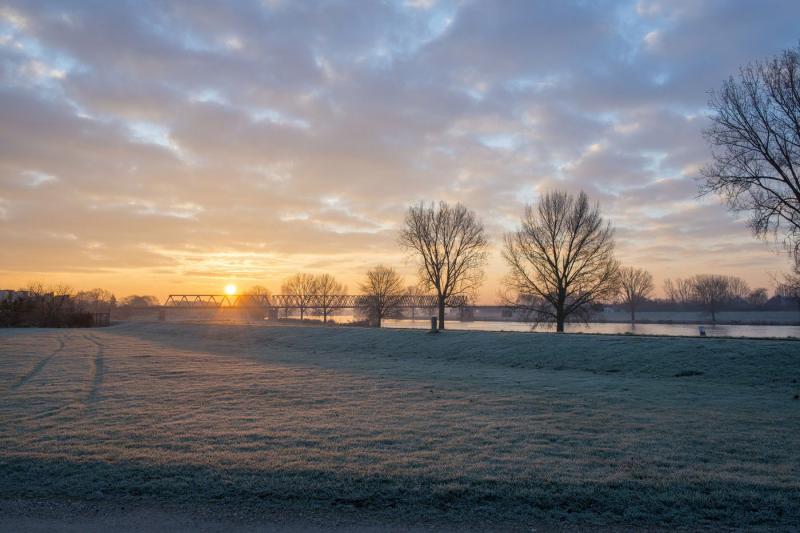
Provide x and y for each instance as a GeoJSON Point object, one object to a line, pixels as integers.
{"type": "Point", "coordinates": [40, 305]}
{"type": "Point", "coordinates": [561, 263]}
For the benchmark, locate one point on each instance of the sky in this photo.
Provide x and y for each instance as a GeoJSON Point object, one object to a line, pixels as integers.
{"type": "Point", "coordinates": [157, 147]}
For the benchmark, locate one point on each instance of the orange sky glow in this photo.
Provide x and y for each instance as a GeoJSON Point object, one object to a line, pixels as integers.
{"type": "Point", "coordinates": [155, 150]}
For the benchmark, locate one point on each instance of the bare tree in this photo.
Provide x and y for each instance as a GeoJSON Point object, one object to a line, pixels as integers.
{"type": "Point", "coordinates": [383, 291]}
{"type": "Point", "coordinates": [757, 297]}
{"type": "Point", "coordinates": [95, 300]}
{"type": "Point", "coordinates": [255, 295]}
{"type": "Point", "coordinates": [303, 288]}
{"type": "Point", "coordinates": [755, 143]}
{"type": "Point", "coordinates": [52, 302]}
{"type": "Point", "coordinates": [258, 290]}
{"type": "Point", "coordinates": [713, 291]}
{"type": "Point", "coordinates": [139, 301]}
{"type": "Point", "coordinates": [329, 295]}
{"type": "Point", "coordinates": [789, 287]}
{"type": "Point", "coordinates": [637, 285]}
{"type": "Point", "coordinates": [738, 289]}
{"type": "Point", "coordinates": [561, 259]}
{"type": "Point", "coordinates": [681, 291]}
{"type": "Point", "coordinates": [451, 247]}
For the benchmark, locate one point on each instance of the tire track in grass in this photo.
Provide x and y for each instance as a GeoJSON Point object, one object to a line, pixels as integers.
{"type": "Point", "coordinates": [39, 366]}
{"type": "Point", "coordinates": [47, 413]}
{"type": "Point", "coordinates": [99, 370]}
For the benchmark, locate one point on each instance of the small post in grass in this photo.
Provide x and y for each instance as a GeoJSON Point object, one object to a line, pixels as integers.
{"type": "Point", "coordinates": [702, 331]}
{"type": "Point", "coordinates": [434, 329]}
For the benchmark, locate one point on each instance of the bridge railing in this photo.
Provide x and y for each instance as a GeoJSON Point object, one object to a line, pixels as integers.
{"type": "Point", "coordinates": [292, 301]}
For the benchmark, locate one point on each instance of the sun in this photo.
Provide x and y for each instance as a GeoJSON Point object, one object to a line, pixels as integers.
{"type": "Point", "coordinates": [230, 289]}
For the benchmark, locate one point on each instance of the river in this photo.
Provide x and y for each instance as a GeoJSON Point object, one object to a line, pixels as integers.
{"type": "Point", "coordinates": [612, 328]}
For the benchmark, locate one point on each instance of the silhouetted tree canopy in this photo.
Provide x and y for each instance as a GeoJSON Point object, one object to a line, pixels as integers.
{"type": "Point", "coordinates": [383, 290]}
{"type": "Point", "coordinates": [561, 259]}
{"type": "Point", "coordinates": [636, 286]}
{"type": "Point", "coordinates": [755, 142]}
{"type": "Point", "coordinates": [304, 288]}
{"type": "Point", "coordinates": [329, 294]}
{"type": "Point", "coordinates": [258, 290]}
{"type": "Point", "coordinates": [136, 300]}
{"type": "Point", "coordinates": [450, 244]}
{"type": "Point", "coordinates": [96, 300]}
{"type": "Point", "coordinates": [679, 291]}
{"type": "Point", "coordinates": [712, 291]}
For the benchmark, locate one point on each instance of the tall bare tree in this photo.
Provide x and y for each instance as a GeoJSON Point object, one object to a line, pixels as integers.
{"type": "Point", "coordinates": [450, 244]}
{"type": "Point", "coordinates": [383, 291]}
{"type": "Point", "coordinates": [755, 143]}
{"type": "Point", "coordinates": [303, 288]}
{"type": "Point", "coordinates": [561, 259]}
{"type": "Point", "coordinates": [329, 295]}
{"type": "Point", "coordinates": [637, 285]}
{"type": "Point", "coordinates": [680, 291]}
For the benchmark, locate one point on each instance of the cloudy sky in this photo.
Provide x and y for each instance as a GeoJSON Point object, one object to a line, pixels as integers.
{"type": "Point", "coordinates": [158, 147]}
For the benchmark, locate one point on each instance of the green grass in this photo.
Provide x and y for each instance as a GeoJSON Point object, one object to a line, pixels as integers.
{"type": "Point", "coordinates": [483, 429]}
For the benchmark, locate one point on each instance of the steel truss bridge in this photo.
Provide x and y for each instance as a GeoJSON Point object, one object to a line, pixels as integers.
{"type": "Point", "coordinates": [290, 301]}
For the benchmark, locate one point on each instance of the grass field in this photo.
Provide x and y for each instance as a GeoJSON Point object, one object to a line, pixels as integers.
{"type": "Point", "coordinates": [354, 427]}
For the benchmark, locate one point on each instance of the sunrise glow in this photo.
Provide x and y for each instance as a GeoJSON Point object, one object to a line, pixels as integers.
{"type": "Point", "coordinates": [419, 265]}
{"type": "Point", "coordinates": [323, 155]}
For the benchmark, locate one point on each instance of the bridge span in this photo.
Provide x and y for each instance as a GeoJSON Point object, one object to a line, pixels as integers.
{"type": "Point", "coordinates": [271, 305]}
{"type": "Point", "coordinates": [291, 301]}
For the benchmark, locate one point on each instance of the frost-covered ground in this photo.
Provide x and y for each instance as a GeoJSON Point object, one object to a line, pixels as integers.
{"type": "Point", "coordinates": [299, 426]}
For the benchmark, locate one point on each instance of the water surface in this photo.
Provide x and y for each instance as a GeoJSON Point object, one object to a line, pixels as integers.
{"type": "Point", "coordinates": [612, 328]}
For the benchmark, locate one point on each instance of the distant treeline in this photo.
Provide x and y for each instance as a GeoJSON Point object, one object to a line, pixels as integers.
{"type": "Point", "coordinates": [58, 306]}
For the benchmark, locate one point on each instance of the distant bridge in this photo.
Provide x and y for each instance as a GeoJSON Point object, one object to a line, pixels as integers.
{"type": "Point", "coordinates": [290, 301]}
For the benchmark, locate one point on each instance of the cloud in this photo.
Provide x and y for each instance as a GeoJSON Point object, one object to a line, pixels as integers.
{"type": "Point", "coordinates": [184, 142]}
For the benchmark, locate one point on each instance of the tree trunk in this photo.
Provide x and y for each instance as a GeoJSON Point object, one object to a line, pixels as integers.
{"type": "Point", "coordinates": [560, 317]}
{"type": "Point", "coordinates": [560, 320]}
{"type": "Point", "coordinates": [378, 321]}
{"type": "Point", "coordinates": [302, 312]}
{"type": "Point", "coordinates": [441, 312]}
{"type": "Point", "coordinates": [633, 315]}
{"type": "Point", "coordinates": [324, 316]}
